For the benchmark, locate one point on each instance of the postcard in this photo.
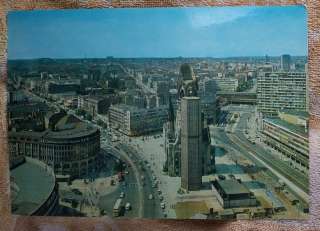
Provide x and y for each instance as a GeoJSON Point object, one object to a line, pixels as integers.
{"type": "Point", "coordinates": [178, 113]}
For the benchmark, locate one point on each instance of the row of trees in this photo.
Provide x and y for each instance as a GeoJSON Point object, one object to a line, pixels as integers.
{"type": "Point", "coordinates": [88, 116]}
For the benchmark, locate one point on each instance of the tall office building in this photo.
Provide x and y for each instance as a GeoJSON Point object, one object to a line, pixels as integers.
{"type": "Point", "coordinates": [207, 94]}
{"type": "Point", "coordinates": [281, 90]}
{"type": "Point", "coordinates": [285, 62]}
{"type": "Point", "coordinates": [191, 129]}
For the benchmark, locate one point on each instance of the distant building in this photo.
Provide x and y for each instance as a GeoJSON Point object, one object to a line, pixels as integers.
{"type": "Point", "coordinates": [26, 116]}
{"type": "Point", "coordinates": [130, 83]}
{"type": "Point", "coordinates": [94, 104]}
{"type": "Point", "coordinates": [191, 139]}
{"type": "Point", "coordinates": [61, 89]}
{"type": "Point", "coordinates": [288, 134]}
{"type": "Point", "coordinates": [285, 62]}
{"type": "Point", "coordinates": [162, 92]}
{"type": "Point", "coordinates": [232, 194]}
{"type": "Point", "coordinates": [207, 93]}
{"type": "Point", "coordinates": [226, 84]}
{"type": "Point", "coordinates": [151, 101]}
{"type": "Point", "coordinates": [281, 90]}
{"type": "Point", "coordinates": [16, 96]}
{"type": "Point", "coordinates": [133, 98]}
{"type": "Point", "coordinates": [134, 121]}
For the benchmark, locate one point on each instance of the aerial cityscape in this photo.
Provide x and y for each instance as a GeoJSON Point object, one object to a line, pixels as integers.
{"type": "Point", "coordinates": [148, 134]}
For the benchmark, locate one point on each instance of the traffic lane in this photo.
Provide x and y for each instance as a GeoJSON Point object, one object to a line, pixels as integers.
{"type": "Point", "coordinates": [284, 172]}
{"type": "Point", "coordinates": [283, 167]}
{"type": "Point", "coordinates": [149, 207]}
{"type": "Point", "coordinates": [130, 187]}
{"type": "Point", "coordinates": [152, 207]}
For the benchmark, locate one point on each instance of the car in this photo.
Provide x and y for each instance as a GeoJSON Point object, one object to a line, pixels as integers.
{"type": "Point", "coordinates": [232, 176]}
{"type": "Point", "coordinates": [76, 191]}
{"type": "Point", "coordinates": [159, 191]}
{"type": "Point", "coordinates": [150, 197]}
{"type": "Point", "coordinates": [122, 195]}
{"type": "Point", "coordinates": [128, 206]}
{"type": "Point", "coordinates": [161, 198]}
{"type": "Point", "coordinates": [221, 177]}
{"type": "Point", "coordinates": [163, 205]}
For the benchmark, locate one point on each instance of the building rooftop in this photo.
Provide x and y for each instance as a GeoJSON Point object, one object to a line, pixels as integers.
{"type": "Point", "coordinates": [136, 109]}
{"type": "Point", "coordinates": [27, 107]}
{"type": "Point", "coordinates": [34, 185]}
{"type": "Point", "coordinates": [288, 126]}
{"type": "Point", "coordinates": [80, 130]}
{"type": "Point", "coordinates": [232, 187]}
{"type": "Point", "coordinates": [301, 114]}
{"type": "Point", "coordinates": [191, 97]}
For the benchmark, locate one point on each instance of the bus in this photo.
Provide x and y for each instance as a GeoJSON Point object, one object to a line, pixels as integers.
{"type": "Point", "coordinates": [117, 208]}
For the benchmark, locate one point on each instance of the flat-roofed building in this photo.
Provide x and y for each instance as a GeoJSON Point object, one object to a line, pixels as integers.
{"type": "Point", "coordinates": [94, 104]}
{"type": "Point", "coordinates": [231, 194]}
{"type": "Point", "coordinates": [226, 84]}
{"type": "Point", "coordinates": [288, 134]}
{"type": "Point", "coordinates": [134, 121]}
{"type": "Point", "coordinates": [285, 62]}
{"type": "Point", "coordinates": [34, 190]}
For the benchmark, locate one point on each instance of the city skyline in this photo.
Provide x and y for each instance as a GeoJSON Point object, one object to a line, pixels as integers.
{"type": "Point", "coordinates": [169, 33]}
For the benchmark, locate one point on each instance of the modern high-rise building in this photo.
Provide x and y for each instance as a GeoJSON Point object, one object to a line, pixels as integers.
{"type": "Point", "coordinates": [162, 92]}
{"type": "Point", "coordinates": [191, 129]}
{"type": "Point", "coordinates": [207, 94]}
{"type": "Point", "coordinates": [285, 62]}
{"type": "Point", "coordinates": [281, 90]}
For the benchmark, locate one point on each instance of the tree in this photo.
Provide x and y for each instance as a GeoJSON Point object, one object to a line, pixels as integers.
{"type": "Point", "coordinates": [88, 117]}
{"type": "Point", "coordinates": [80, 112]}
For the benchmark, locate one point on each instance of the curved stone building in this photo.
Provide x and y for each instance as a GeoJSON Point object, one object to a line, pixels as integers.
{"type": "Point", "coordinates": [70, 146]}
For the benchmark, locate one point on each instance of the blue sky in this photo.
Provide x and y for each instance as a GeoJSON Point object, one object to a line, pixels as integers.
{"type": "Point", "coordinates": [158, 32]}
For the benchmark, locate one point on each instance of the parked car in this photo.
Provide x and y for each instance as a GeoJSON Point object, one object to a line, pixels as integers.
{"type": "Point", "coordinates": [122, 195]}
{"type": "Point", "coordinates": [128, 206]}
